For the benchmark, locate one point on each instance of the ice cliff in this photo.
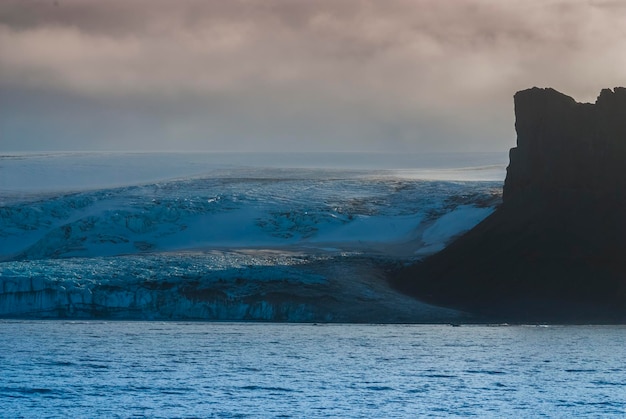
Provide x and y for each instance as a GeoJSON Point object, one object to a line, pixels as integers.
{"type": "Point", "coordinates": [555, 250]}
{"type": "Point", "coordinates": [217, 285]}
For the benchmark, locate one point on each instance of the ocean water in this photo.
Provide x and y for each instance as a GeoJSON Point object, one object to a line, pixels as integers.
{"type": "Point", "coordinates": [59, 369]}
{"type": "Point", "coordinates": [231, 236]}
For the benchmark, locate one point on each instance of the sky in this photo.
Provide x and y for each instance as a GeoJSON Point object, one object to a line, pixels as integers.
{"type": "Point", "coordinates": [291, 75]}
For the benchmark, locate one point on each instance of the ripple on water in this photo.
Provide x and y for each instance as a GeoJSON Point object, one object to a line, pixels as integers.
{"type": "Point", "coordinates": [125, 369]}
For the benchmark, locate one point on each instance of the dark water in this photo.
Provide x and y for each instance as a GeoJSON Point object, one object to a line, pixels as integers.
{"type": "Point", "coordinates": [137, 369]}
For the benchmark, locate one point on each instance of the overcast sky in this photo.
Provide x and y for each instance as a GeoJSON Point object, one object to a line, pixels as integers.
{"type": "Point", "coordinates": [323, 75]}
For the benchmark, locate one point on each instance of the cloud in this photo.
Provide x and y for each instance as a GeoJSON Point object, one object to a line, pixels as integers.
{"type": "Point", "coordinates": [300, 75]}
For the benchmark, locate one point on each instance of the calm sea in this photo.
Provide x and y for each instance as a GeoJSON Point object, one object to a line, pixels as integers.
{"type": "Point", "coordinates": [151, 369]}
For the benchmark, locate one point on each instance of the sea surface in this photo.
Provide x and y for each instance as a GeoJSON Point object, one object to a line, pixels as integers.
{"type": "Point", "coordinates": [60, 369]}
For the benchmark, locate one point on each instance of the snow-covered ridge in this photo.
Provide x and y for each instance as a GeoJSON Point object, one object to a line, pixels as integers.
{"type": "Point", "coordinates": [318, 208]}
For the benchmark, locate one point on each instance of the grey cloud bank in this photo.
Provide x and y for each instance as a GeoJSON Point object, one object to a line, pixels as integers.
{"type": "Point", "coordinates": [296, 76]}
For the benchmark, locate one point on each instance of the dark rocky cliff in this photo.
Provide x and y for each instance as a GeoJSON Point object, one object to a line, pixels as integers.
{"type": "Point", "coordinates": [565, 148]}
{"type": "Point", "coordinates": [556, 248]}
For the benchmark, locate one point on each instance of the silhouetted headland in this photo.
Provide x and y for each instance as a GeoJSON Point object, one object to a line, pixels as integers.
{"type": "Point", "coordinates": [555, 250]}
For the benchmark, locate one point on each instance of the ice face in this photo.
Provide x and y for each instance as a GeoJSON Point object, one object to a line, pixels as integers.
{"type": "Point", "coordinates": [212, 285]}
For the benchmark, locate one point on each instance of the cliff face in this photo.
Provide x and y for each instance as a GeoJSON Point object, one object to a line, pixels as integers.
{"type": "Point", "coordinates": [565, 148]}
{"type": "Point", "coordinates": [556, 248]}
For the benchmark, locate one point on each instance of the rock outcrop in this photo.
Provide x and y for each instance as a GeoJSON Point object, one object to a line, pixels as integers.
{"type": "Point", "coordinates": [567, 149]}
{"type": "Point", "coordinates": [556, 248]}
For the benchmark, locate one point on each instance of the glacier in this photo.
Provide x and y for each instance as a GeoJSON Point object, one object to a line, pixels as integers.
{"type": "Point", "coordinates": [215, 242]}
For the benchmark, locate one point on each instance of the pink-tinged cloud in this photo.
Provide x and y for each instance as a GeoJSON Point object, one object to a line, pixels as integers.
{"type": "Point", "coordinates": [283, 74]}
